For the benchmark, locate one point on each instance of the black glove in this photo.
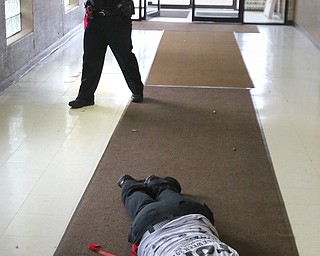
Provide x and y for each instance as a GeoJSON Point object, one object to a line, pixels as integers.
{"type": "Point", "coordinates": [89, 9]}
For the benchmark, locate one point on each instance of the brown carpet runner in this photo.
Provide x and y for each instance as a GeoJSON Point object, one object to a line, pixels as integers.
{"type": "Point", "coordinates": [199, 59]}
{"type": "Point", "coordinates": [210, 140]}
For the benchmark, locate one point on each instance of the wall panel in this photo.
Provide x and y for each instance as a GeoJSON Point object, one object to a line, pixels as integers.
{"type": "Point", "coordinates": [307, 18]}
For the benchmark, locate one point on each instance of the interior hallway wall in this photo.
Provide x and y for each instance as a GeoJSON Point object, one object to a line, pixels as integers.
{"type": "Point", "coordinates": [307, 18]}
{"type": "Point", "coordinates": [51, 26]}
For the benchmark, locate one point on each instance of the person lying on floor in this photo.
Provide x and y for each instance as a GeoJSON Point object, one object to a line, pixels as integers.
{"type": "Point", "coordinates": [166, 223]}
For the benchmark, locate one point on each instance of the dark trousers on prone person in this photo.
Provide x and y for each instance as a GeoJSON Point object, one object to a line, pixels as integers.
{"type": "Point", "coordinates": [155, 203]}
{"type": "Point", "coordinates": [101, 33]}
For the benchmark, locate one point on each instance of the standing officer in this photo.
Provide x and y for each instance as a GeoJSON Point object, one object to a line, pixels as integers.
{"type": "Point", "coordinates": [109, 24]}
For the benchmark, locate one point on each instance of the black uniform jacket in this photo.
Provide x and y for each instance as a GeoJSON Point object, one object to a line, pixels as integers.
{"type": "Point", "coordinates": [104, 4]}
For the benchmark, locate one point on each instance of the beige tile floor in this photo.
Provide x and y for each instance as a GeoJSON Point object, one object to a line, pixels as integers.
{"type": "Point", "coordinates": [48, 152]}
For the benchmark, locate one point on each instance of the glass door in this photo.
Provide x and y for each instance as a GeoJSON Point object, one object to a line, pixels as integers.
{"type": "Point", "coordinates": [265, 11]}
{"type": "Point", "coordinates": [181, 4]}
{"type": "Point", "coordinates": [139, 10]}
{"type": "Point", "coordinates": [240, 11]}
{"type": "Point", "coordinates": [153, 8]}
{"type": "Point", "coordinates": [218, 10]}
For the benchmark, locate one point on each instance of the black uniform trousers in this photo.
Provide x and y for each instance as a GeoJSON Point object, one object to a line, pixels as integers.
{"type": "Point", "coordinates": [115, 32]}
{"type": "Point", "coordinates": [149, 205]}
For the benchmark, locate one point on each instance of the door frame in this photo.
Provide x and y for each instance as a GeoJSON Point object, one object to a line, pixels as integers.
{"type": "Point", "coordinates": [142, 13]}
{"type": "Point", "coordinates": [238, 19]}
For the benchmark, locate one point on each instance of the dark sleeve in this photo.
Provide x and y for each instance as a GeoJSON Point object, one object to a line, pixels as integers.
{"type": "Point", "coordinates": [104, 4]}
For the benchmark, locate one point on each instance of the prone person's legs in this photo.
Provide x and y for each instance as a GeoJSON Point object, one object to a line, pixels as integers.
{"type": "Point", "coordinates": [134, 196]}
{"type": "Point", "coordinates": [156, 201]}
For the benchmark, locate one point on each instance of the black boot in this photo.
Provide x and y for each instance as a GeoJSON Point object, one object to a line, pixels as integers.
{"type": "Point", "coordinates": [156, 183]}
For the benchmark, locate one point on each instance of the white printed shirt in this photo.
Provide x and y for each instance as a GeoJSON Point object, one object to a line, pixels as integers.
{"type": "Point", "coordinates": [190, 235]}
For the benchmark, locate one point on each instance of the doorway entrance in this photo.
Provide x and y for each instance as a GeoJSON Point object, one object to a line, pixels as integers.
{"type": "Point", "coordinates": [200, 10]}
{"type": "Point", "coordinates": [217, 10]}
{"type": "Point", "coordinates": [239, 11]}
